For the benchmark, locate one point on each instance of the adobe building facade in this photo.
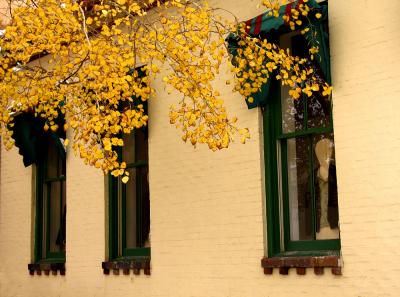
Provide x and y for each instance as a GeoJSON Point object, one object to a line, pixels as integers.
{"type": "Point", "coordinates": [208, 210]}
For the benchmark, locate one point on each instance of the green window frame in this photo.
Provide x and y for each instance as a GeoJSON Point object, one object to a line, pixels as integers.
{"type": "Point", "coordinates": [129, 204]}
{"type": "Point", "coordinates": [279, 170]}
{"type": "Point", "coordinates": [50, 219]}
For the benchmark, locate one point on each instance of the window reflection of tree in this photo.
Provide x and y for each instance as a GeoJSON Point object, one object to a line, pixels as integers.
{"type": "Point", "coordinates": [318, 111]}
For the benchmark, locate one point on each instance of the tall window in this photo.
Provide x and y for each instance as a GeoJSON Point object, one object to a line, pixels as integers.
{"type": "Point", "coordinates": [302, 197]}
{"type": "Point", "coordinates": [50, 239]}
{"type": "Point", "coordinates": [129, 204]}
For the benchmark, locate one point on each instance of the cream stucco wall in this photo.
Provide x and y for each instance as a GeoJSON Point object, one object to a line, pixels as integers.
{"type": "Point", "coordinates": [207, 208]}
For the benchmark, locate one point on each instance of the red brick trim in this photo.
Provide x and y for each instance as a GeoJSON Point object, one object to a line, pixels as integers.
{"type": "Point", "coordinates": [126, 266]}
{"type": "Point", "coordinates": [46, 268]}
{"type": "Point", "coordinates": [301, 263]}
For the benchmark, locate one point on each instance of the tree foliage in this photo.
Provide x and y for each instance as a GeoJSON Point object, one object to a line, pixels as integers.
{"type": "Point", "coordinates": [84, 59]}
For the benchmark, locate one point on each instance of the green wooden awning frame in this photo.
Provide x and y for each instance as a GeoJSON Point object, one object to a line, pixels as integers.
{"type": "Point", "coordinates": [31, 139]}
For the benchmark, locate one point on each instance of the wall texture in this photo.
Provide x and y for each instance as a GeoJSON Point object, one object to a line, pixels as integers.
{"type": "Point", "coordinates": [207, 226]}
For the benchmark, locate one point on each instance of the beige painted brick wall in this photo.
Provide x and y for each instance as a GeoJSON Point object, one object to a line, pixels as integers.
{"type": "Point", "coordinates": [365, 62]}
{"type": "Point", "coordinates": [207, 225]}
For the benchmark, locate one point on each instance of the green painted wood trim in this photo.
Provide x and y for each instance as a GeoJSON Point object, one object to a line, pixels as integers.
{"type": "Point", "coordinates": [139, 163]}
{"type": "Point", "coordinates": [54, 179]}
{"type": "Point", "coordinates": [114, 244]}
{"type": "Point", "coordinates": [305, 132]}
{"type": "Point", "coordinates": [136, 252]}
{"type": "Point", "coordinates": [41, 182]}
{"type": "Point", "coordinates": [308, 253]}
{"type": "Point", "coordinates": [271, 187]}
{"type": "Point", "coordinates": [55, 255]}
{"type": "Point", "coordinates": [52, 260]}
{"type": "Point", "coordinates": [313, 245]}
{"type": "Point", "coordinates": [272, 124]}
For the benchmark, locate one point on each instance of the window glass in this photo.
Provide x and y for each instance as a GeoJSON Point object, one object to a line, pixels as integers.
{"type": "Point", "coordinates": [318, 112]}
{"type": "Point", "coordinates": [131, 209]}
{"type": "Point", "coordinates": [325, 187]}
{"type": "Point", "coordinates": [128, 150]}
{"type": "Point", "coordinates": [142, 149]}
{"type": "Point", "coordinates": [54, 163]}
{"type": "Point", "coordinates": [55, 215]}
{"type": "Point", "coordinates": [144, 208]}
{"type": "Point", "coordinates": [292, 112]}
{"type": "Point", "coordinates": [300, 205]}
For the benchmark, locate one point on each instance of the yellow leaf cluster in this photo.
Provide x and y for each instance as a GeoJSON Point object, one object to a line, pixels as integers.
{"type": "Point", "coordinates": [98, 60]}
{"type": "Point", "coordinates": [257, 60]}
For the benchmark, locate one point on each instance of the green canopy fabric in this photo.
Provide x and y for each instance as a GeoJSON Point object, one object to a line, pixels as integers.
{"type": "Point", "coordinates": [31, 139]}
{"type": "Point", "coordinates": [265, 24]}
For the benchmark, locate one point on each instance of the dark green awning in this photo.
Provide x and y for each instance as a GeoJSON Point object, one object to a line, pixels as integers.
{"type": "Point", "coordinates": [31, 139]}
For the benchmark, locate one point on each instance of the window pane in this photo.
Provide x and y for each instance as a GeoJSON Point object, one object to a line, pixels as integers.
{"type": "Point", "coordinates": [128, 151]}
{"type": "Point", "coordinates": [54, 164]}
{"type": "Point", "coordinates": [56, 224]}
{"type": "Point", "coordinates": [44, 219]}
{"type": "Point", "coordinates": [325, 187]}
{"type": "Point", "coordinates": [53, 199]}
{"type": "Point", "coordinates": [292, 112]}
{"type": "Point", "coordinates": [137, 208]}
{"type": "Point", "coordinates": [119, 209]}
{"type": "Point", "coordinates": [61, 237]}
{"type": "Point", "coordinates": [143, 181]}
{"type": "Point", "coordinates": [130, 209]}
{"type": "Point", "coordinates": [135, 147]}
{"type": "Point", "coordinates": [300, 206]}
{"type": "Point", "coordinates": [299, 45]}
{"type": "Point", "coordinates": [318, 112]}
{"type": "Point", "coordinates": [141, 145]}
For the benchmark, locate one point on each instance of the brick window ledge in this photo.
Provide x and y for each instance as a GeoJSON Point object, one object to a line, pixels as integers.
{"type": "Point", "coordinates": [301, 263]}
{"type": "Point", "coordinates": [46, 268]}
{"type": "Point", "coordinates": [126, 265]}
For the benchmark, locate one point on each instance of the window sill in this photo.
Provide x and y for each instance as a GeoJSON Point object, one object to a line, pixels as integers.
{"type": "Point", "coordinates": [126, 265]}
{"type": "Point", "coordinates": [46, 268]}
{"type": "Point", "coordinates": [301, 263]}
